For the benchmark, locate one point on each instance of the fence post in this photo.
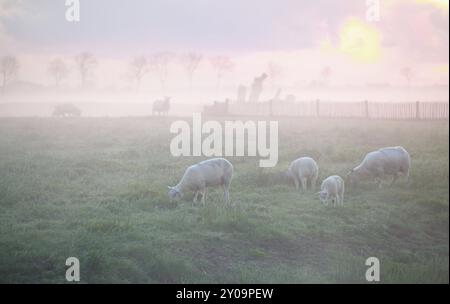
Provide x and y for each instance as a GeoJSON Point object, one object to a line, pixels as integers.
{"type": "Point", "coordinates": [366, 105]}
{"type": "Point", "coordinates": [417, 110]}
{"type": "Point", "coordinates": [318, 108]}
{"type": "Point", "coordinates": [271, 108]}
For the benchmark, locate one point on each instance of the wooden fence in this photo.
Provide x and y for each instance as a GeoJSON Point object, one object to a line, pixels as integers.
{"type": "Point", "coordinates": [369, 110]}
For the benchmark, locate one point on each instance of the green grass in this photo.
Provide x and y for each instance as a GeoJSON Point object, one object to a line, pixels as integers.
{"type": "Point", "coordinates": [96, 189]}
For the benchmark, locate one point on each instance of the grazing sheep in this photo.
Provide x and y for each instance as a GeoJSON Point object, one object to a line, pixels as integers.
{"type": "Point", "coordinates": [333, 188]}
{"type": "Point", "coordinates": [208, 173]}
{"type": "Point", "coordinates": [302, 171]}
{"type": "Point", "coordinates": [161, 107]}
{"type": "Point", "coordinates": [386, 161]}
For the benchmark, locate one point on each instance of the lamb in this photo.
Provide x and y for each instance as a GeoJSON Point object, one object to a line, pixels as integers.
{"type": "Point", "coordinates": [208, 173]}
{"type": "Point", "coordinates": [385, 161]}
{"type": "Point", "coordinates": [302, 171]}
{"type": "Point", "coordinates": [333, 188]}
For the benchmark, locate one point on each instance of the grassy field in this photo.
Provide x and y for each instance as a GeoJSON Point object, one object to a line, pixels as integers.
{"type": "Point", "coordinates": [96, 189]}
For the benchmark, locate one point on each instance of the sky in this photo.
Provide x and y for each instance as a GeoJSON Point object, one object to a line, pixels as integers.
{"type": "Point", "coordinates": [301, 37]}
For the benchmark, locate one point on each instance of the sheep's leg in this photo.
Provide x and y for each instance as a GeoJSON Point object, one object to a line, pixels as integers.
{"type": "Point", "coordinates": [408, 181]}
{"type": "Point", "coordinates": [378, 181]}
{"type": "Point", "coordinates": [297, 184]}
{"type": "Point", "coordinates": [203, 196]}
{"type": "Point", "coordinates": [304, 184]}
{"type": "Point", "coordinates": [226, 194]}
{"type": "Point", "coordinates": [195, 197]}
{"type": "Point", "coordinates": [326, 201]}
{"type": "Point", "coordinates": [394, 179]}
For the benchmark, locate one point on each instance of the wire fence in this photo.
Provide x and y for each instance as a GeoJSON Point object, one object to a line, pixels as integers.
{"type": "Point", "coordinates": [325, 109]}
{"type": "Point", "coordinates": [370, 110]}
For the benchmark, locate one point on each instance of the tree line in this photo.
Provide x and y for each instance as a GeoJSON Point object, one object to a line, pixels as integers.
{"type": "Point", "coordinates": [158, 64]}
{"type": "Point", "coordinates": [139, 66]}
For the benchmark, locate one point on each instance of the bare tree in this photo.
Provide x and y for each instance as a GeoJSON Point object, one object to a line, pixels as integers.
{"type": "Point", "coordinates": [8, 68]}
{"type": "Point", "coordinates": [85, 63]}
{"type": "Point", "coordinates": [159, 63]}
{"type": "Point", "coordinates": [274, 71]}
{"type": "Point", "coordinates": [222, 65]}
{"type": "Point", "coordinates": [191, 62]}
{"type": "Point", "coordinates": [139, 67]}
{"type": "Point", "coordinates": [58, 70]}
{"type": "Point", "coordinates": [408, 74]}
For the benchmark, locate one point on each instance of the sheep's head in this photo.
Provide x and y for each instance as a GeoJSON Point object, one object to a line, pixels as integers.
{"type": "Point", "coordinates": [323, 196]}
{"type": "Point", "coordinates": [174, 193]}
{"type": "Point", "coordinates": [289, 175]}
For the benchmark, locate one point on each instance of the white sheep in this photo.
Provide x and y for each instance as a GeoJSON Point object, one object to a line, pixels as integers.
{"type": "Point", "coordinates": [208, 173]}
{"type": "Point", "coordinates": [302, 171]}
{"type": "Point", "coordinates": [385, 161]}
{"type": "Point", "coordinates": [333, 189]}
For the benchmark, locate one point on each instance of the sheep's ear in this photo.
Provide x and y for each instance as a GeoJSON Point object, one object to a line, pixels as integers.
{"type": "Point", "coordinates": [170, 188]}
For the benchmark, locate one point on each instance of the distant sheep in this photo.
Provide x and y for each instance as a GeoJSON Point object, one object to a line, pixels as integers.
{"type": "Point", "coordinates": [302, 171]}
{"type": "Point", "coordinates": [66, 110]}
{"type": "Point", "coordinates": [161, 107]}
{"type": "Point", "coordinates": [208, 173]}
{"type": "Point", "coordinates": [386, 161]}
{"type": "Point", "coordinates": [218, 108]}
{"type": "Point", "coordinates": [333, 189]}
